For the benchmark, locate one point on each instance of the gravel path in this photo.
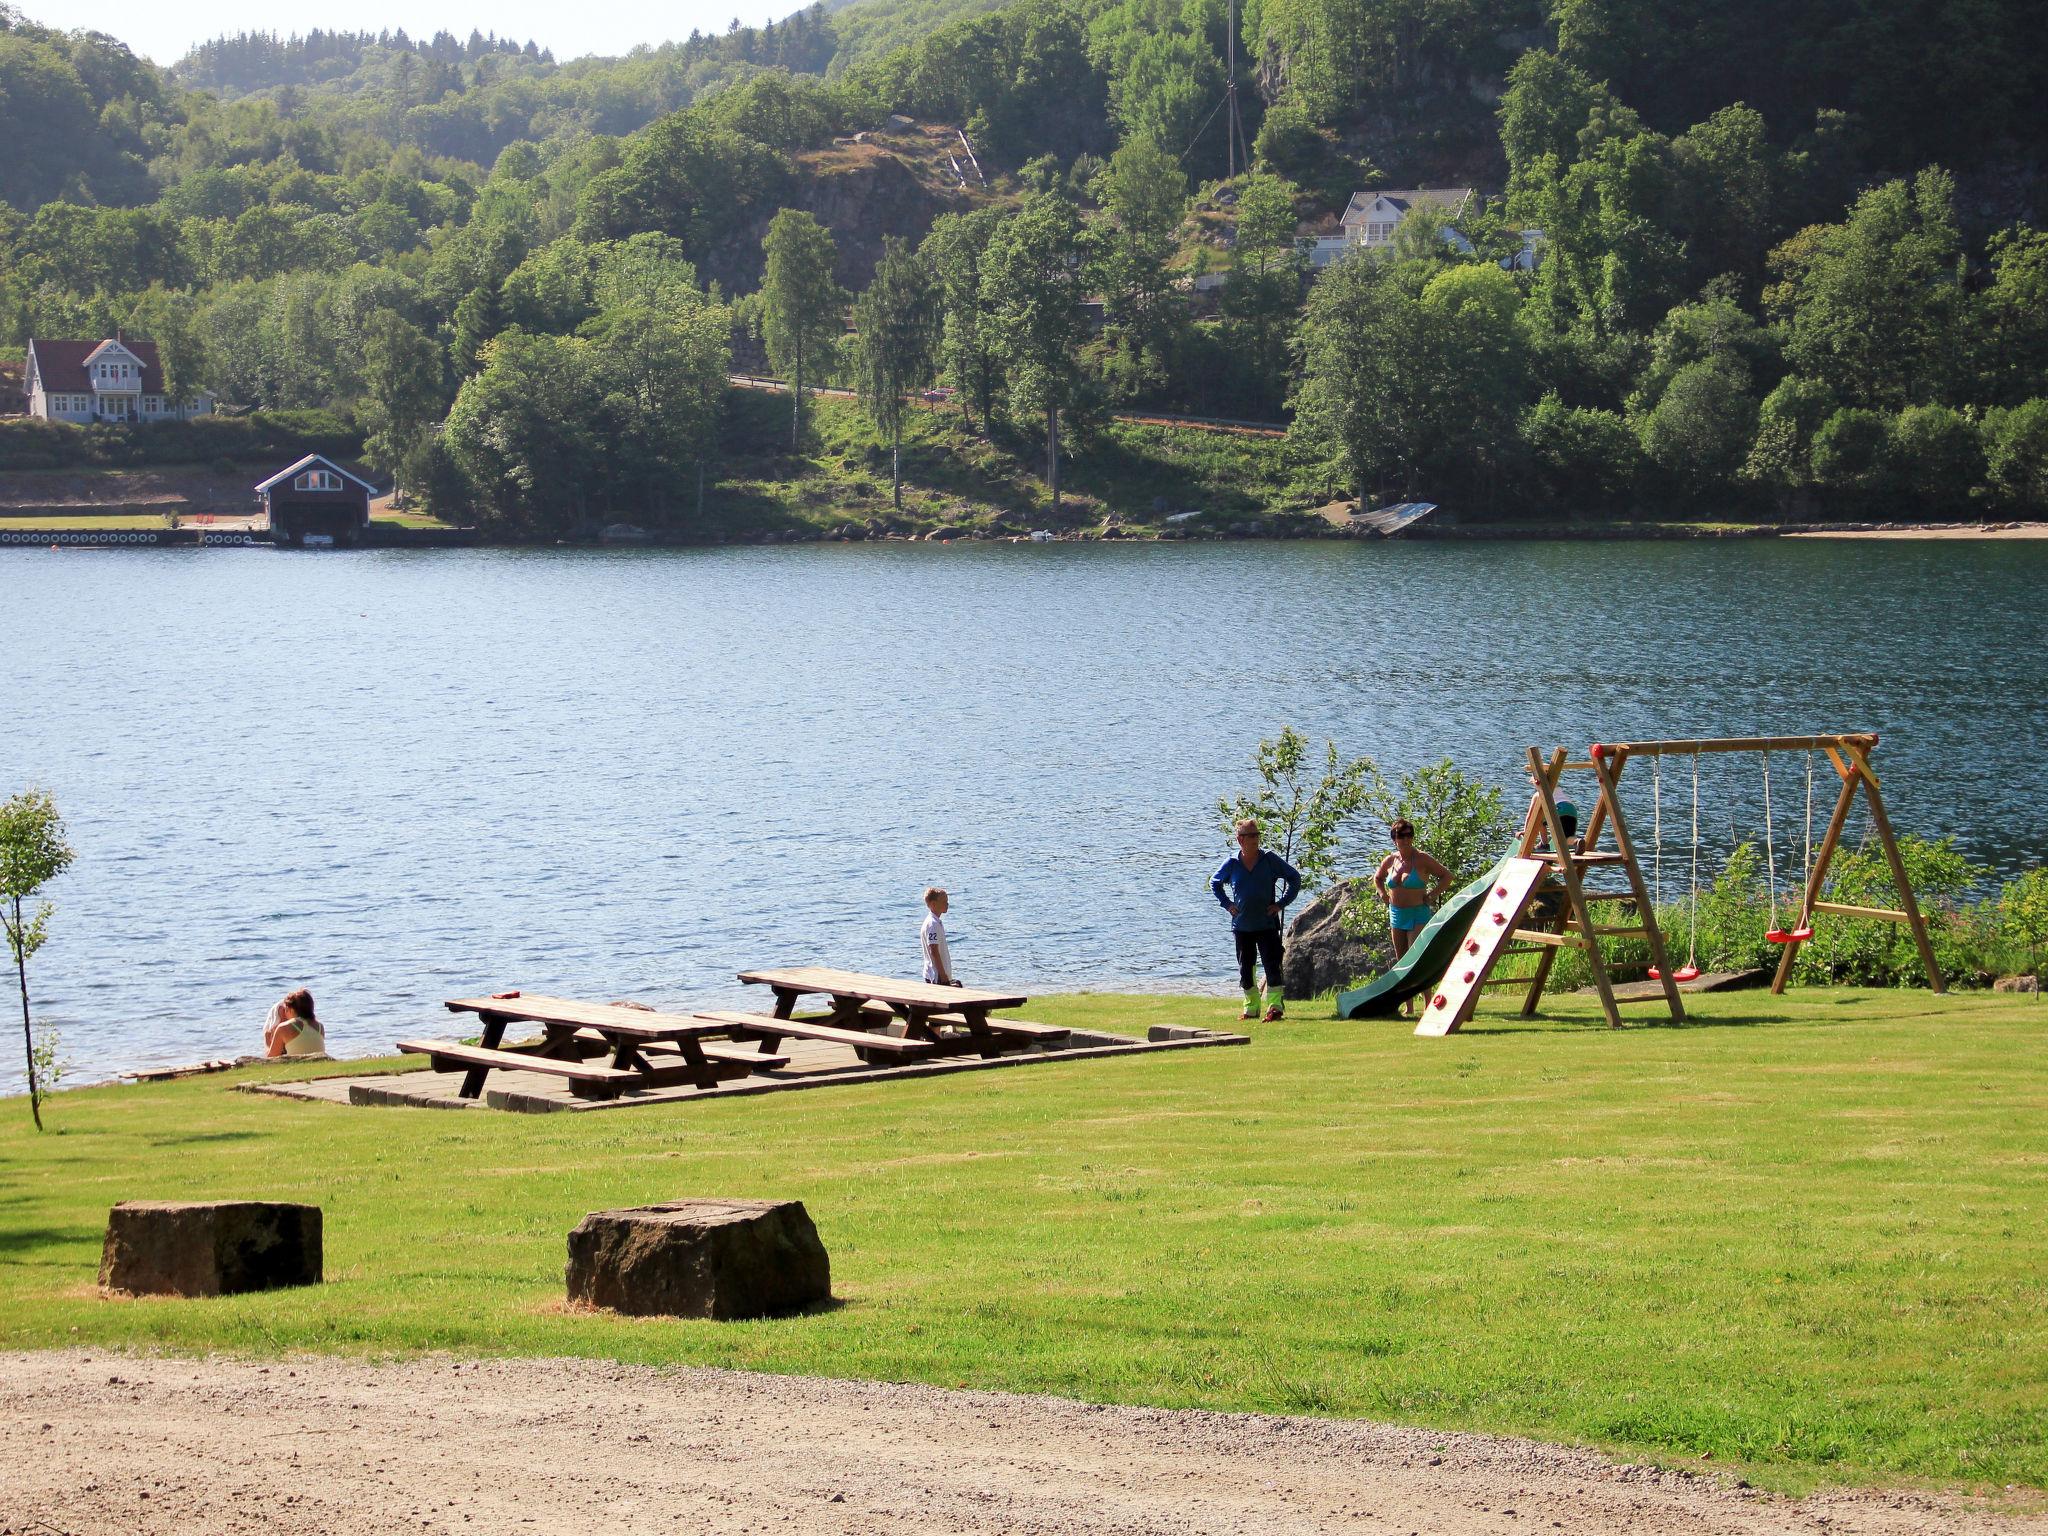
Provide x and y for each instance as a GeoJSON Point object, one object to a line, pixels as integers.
{"type": "Point", "coordinates": [92, 1443]}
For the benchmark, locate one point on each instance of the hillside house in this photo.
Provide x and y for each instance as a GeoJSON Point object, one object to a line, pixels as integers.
{"type": "Point", "coordinates": [1370, 219]}
{"type": "Point", "coordinates": [111, 380]}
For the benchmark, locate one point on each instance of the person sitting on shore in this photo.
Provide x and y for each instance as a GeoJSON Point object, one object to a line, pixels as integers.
{"type": "Point", "coordinates": [292, 1028]}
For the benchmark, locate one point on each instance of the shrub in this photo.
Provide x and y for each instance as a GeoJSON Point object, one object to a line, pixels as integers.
{"type": "Point", "coordinates": [1702, 429]}
{"type": "Point", "coordinates": [1302, 817]}
{"type": "Point", "coordinates": [1459, 821]}
{"type": "Point", "coordinates": [260, 436]}
{"type": "Point", "coordinates": [1791, 414]}
{"type": "Point", "coordinates": [2016, 453]}
{"type": "Point", "coordinates": [1577, 448]}
{"type": "Point", "coordinates": [1852, 451]}
{"type": "Point", "coordinates": [2023, 916]}
{"type": "Point", "coordinates": [1937, 453]}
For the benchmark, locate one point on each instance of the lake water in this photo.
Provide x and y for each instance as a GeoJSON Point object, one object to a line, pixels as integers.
{"type": "Point", "coordinates": [396, 777]}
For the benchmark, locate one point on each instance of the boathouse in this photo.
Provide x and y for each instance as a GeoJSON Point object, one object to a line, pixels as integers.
{"type": "Point", "coordinates": [317, 500]}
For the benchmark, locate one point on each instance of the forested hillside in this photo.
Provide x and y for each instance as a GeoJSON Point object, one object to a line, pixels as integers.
{"type": "Point", "coordinates": [1790, 256]}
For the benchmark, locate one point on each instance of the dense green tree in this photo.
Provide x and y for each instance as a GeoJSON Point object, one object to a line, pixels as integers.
{"type": "Point", "coordinates": [1585, 457]}
{"type": "Point", "coordinates": [1144, 194]}
{"type": "Point", "coordinates": [2012, 318]}
{"type": "Point", "coordinates": [1873, 304]}
{"type": "Point", "coordinates": [1265, 281]}
{"type": "Point", "coordinates": [1938, 454]}
{"type": "Point", "coordinates": [896, 324]}
{"type": "Point", "coordinates": [1702, 427]}
{"type": "Point", "coordinates": [527, 432]}
{"type": "Point", "coordinates": [955, 250]}
{"type": "Point", "coordinates": [1032, 286]}
{"type": "Point", "coordinates": [402, 376]}
{"type": "Point", "coordinates": [170, 318]}
{"type": "Point", "coordinates": [667, 363]}
{"type": "Point", "coordinates": [801, 305]}
{"type": "Point", "coordinates": [1418, 392]}
{"type": "Point", "coordinates": [1782, 455]}
{"type": "Point", "coordinates": [2016, 451]}
{"type": "Point", "coordinates": [1852, 451]}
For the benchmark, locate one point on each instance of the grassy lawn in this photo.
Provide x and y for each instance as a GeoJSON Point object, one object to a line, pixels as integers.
{"type": "Point", "coordinates": [1807, 1236]}
{"type": "Point", "coordinates": [84, 519]}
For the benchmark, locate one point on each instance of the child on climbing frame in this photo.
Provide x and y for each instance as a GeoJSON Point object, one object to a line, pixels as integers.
{"type": "Point", "coordinates": [1254, 886]}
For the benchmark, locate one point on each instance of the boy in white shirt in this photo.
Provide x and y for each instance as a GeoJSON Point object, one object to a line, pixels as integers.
{"type": "Point", "coordinates": [938, 959]}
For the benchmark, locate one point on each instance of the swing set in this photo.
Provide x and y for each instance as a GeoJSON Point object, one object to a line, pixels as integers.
{"type": "Point", "coordinates": [1544, 881]}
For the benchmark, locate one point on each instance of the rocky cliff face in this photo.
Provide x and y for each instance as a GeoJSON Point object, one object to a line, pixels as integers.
{"type": "Point", "coordinates": [862, 192]}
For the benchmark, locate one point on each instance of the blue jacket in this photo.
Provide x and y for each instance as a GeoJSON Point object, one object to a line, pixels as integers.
{"type": "Point", "coordinates": [1254, 891]}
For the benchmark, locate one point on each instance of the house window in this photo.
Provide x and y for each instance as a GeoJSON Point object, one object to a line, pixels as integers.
{"type": "Point", "coordinates": [1378, 234]}
{"type": "Point", "coordinates": [318, 480]}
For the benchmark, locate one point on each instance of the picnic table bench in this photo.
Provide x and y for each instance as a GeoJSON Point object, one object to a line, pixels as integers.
{"type": "Point", "coordinates": [647, 1049]}
{"type": "Point", "coordinates": [943, 1019]}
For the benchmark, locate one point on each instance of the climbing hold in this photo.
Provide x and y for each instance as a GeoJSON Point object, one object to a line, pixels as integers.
{"type": "Point", "coordinates": [1471, 946]}
{"type": "Point", "coordinates": [1438, 1001]}
{"type": "Point", "coordinates": [1500, 919]}
{"type": "Point", "coordinates": [1470, 974]}
{"type": "Point", "coordinates": [1501, 892]}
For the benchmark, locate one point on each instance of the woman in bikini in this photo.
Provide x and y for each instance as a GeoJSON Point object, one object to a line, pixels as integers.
{"type": "Point", "coordinates": [1411, 883]}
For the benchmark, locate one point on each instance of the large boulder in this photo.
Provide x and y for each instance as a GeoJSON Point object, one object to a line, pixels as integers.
{"type": "Point", "coordinates": [719, 1259]}
{"type": "Point", "coordinates": [1321, 955]}
{"type": "Point", "coordinates": [210, 1247]}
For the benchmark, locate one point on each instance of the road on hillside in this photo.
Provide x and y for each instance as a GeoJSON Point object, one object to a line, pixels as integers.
{"type": "Point", "coordinates": [93, 1442]}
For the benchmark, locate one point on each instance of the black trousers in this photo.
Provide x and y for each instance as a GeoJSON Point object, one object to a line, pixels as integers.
{"type": "Point", "coordinates": [1264, 945]}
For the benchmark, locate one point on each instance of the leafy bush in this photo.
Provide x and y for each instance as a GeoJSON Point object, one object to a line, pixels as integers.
{"type": "Point", "coordinates": [1852, 451]}
{"type": "Point", "coordinates": [2023, 916]}
{"type": "Point", "coordinates": [1302, 818]}
{"type": "Point", "coordinates": [1938, 453]}
{"type": "Point", "coordinates": [1971, 942]}
{"type": "Point", "coordinates": [2016, 445]}
{"type": "Point", "coordinates": [1459, 821]}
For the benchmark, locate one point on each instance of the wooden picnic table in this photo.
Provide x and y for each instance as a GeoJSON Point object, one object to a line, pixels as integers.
{"type": "Point", "coordinates": [943, 1018]}
{"type": "Point", "coordinates": [646, 1049]}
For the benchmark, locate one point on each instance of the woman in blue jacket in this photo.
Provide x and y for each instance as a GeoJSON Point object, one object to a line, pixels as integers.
{"type": "Point", "coordinates": [1255, 887]}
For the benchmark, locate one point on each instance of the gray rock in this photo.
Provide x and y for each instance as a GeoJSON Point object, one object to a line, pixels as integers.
{"type": "Point", "coordinates": [1320, 955]}
{"type": "Point", "coordinates": [2017, 984]}
{"type": "Point", "coordinates": [718, 1259]}
{"type": "Point", "coordinates": [210, 1247]}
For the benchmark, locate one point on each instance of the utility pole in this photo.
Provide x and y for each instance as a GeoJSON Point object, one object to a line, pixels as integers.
{"type": "Point", "coordinates": [1233, 127]}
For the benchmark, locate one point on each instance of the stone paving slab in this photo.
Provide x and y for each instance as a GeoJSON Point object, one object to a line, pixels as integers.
{"type": "Point", "coordinates": [812, 1064]}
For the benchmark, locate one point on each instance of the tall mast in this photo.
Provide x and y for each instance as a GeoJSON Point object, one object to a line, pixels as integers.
{"type": "Point", "coordinates": [1233, 130]}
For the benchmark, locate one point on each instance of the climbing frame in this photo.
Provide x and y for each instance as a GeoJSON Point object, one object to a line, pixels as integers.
{"type": "Point", "coordinates": [1555, 884]}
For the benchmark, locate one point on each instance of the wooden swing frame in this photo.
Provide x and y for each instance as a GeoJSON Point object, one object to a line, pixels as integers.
{"type": "Point", "coordinates": [1543, 839]}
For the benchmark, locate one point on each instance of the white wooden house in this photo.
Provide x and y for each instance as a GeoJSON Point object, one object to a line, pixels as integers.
{"type": "Point", "coordinates": [111, 380]}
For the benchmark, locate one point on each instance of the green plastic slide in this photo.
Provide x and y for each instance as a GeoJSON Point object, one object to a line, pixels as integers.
{"type": "Point", "coordinates": [1427, 958]}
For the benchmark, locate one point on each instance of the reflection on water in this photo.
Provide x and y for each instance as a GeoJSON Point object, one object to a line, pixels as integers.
{"type": "Point", "coordinates": [398, 776]}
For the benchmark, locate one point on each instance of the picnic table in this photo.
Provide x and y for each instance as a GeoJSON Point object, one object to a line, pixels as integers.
{"type": "Point", "coordinates": [646, 1049]}
{"type": "Point", "coordinates": [936, 1019]}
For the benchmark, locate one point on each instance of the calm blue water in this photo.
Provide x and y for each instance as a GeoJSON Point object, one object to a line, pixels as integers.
{"type": "Point", "coordinates": [396, 777]}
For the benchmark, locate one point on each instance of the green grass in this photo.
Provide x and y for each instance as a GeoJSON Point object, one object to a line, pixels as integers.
{"type": "Point", "coordinates": [952, 476]}
{"type": "Point", "coordinates": [85, 519]}
{"type": "Point", "coordinates": [1805, 1236]}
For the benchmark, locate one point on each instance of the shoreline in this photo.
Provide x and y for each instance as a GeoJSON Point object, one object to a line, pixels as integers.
{"type": "Point", "coordinates": [86, 534]}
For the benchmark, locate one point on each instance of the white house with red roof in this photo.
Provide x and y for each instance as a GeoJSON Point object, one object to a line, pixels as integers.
{"type": "Point", "coordinates": [111, 380]}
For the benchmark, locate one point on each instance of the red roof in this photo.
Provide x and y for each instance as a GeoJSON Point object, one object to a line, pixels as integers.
{"type": "Point", "coordinates": [61, 364]}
